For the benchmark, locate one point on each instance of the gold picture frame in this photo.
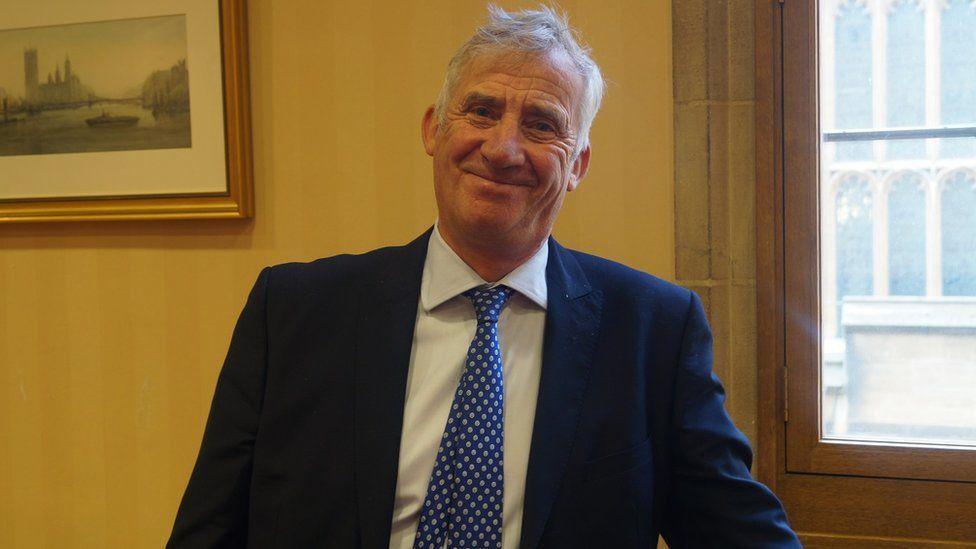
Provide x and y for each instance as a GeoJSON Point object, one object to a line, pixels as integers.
{"type": "Point", "coordinates": [237, 198]}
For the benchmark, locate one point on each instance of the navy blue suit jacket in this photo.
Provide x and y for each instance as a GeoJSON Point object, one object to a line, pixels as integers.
{"type": "Point", "coordinates": [630, 436]}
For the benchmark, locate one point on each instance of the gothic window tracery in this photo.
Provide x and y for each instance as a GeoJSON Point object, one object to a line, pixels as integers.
{"type": "Point", "coordinates": [958, 230]}
{"type": "Point", "coordinates": [906, 234]}
{"type": "Point", "coordinates": [853, 214]}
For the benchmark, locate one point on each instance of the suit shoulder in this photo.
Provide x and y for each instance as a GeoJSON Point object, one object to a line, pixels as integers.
{"type": "Point", "coordinates": [620, 281]}
{"type": "Point", "coordinates": [338, 271]}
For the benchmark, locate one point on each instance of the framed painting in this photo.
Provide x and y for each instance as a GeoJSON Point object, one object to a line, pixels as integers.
{"type": "Point", "coordinates": [124, 110]}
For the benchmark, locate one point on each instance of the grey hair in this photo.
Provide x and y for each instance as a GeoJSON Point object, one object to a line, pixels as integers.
{"type": "Point", "coordinates": [538, 32]}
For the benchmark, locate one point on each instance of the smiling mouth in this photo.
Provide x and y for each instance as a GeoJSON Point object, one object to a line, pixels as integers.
{"type": "Point", "coordinates": [497, 182]}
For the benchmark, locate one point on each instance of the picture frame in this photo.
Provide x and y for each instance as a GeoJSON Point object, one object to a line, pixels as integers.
{"type": "Point", "coordinates": [173, 181]}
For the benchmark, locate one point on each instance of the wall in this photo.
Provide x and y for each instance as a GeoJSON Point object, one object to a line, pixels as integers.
{"type": "Point", "coordinates": [715, 184]}
{"type": "Point", "coordinates": [111, 334]}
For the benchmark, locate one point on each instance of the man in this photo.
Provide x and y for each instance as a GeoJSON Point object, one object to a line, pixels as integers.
{"type": "Point", "coordinates": [481, 386]}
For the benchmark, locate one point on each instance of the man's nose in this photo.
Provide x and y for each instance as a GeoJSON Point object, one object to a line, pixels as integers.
{"type": "Point", "coordinates": [503, 147]}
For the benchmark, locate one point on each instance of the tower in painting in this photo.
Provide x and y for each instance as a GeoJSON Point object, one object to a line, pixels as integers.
{"type": "Point", "coordinates": [31, 84]}
{"type": "Point", "coordinates": [60, 88]}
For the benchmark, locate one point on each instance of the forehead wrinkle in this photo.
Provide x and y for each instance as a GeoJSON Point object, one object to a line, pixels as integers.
{"type": "Point", "coordinates": [531, 83]}
{"type": "Point", "coordinates": [534, 98]}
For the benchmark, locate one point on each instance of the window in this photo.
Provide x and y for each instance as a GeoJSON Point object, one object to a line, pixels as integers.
{"type": "Point", "coordinates": [866, 159]}
{"type": "Point", "coordinates": [958, 71]}
{"type": "Point", "coordinates": [874, 237]}
{"type": "Point", "coordinates": [959, 235]}
{"type": "Point", "coordinates": [854, 55]}
{"type": "Point", "coordinates": [854, 237]}
{"type": "Point", "coordinates": [905, 75]}
{"type": "Point", "coordinates": [906, 234]}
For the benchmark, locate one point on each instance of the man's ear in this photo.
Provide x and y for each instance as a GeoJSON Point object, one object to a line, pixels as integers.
{"type": "Point", "coordinates": [428, 129]}
{"type": "Point", "coordinates": [580, 165]}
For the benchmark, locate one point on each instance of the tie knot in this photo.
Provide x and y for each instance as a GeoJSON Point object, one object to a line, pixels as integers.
{"type": "Point", "coordinates": [488, 302]}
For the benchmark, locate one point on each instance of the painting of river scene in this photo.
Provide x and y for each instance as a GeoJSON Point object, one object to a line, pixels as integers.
{"type": "Point", "coordinates": [104, 86]}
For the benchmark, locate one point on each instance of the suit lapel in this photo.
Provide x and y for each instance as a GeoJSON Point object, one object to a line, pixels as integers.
{"type": "Point", "coordinates": [384, 338]}
{"type": "Point", "coordinates": [572, 321]}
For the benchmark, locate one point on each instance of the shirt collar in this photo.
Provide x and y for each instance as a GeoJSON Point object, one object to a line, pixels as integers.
{"type": "Point", "coordinates": [447, 275]}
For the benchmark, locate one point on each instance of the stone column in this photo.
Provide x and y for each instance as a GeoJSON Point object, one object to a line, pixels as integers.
{"type": "Point", "coordinates": [715, 180]}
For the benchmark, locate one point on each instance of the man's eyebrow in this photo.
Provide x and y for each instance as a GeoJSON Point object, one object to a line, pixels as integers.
{"type": "Point", "coordinates": [547, 111]}
{"type": "Point", "coordinates": [478, 98]}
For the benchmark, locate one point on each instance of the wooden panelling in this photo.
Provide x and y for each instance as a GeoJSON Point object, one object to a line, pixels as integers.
{"type": "Point", "coordinates": [823, 541]}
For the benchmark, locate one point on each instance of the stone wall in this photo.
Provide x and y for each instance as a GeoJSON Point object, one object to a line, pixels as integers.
{"type": "Point", "coordinates": [715, 180]}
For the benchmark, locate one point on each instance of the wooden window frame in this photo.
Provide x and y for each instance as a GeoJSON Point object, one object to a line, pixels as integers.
{"type": "Point", "coordinates": [837, 494]}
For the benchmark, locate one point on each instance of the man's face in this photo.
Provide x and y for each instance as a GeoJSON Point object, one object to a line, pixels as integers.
{"type": "Point", "coordinates": [504, 155]}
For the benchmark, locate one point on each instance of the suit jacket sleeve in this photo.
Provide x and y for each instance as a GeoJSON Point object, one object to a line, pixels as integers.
{"type": "Point", "coordinates": [714, 500]}
{"type": "Point", "coordinates": [214, 510]}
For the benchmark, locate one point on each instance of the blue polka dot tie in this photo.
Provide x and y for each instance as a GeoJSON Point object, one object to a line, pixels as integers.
{"type": "Point", "coordinates": [463, 506]}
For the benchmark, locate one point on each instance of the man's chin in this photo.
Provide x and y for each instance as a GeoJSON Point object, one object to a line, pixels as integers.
{"type": "Point", "coordinates": [487, 228]}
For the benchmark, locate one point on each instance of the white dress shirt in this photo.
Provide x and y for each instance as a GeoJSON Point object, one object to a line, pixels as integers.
{"type": "Point", "coordinates": [445, 327]}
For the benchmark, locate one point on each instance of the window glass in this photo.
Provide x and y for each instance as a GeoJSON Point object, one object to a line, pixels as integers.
{"type": "Point", "coordinates": [854, 239]}
{"type": "Point", "coordinates": [853, 77]}
{"type": "Point", "coordinates": [898, 228]}
{"type": "Point", "coordinates": [958, 70]}
{"type": "Point", "coordinates": [905, 63]}
{"type": "Point", "coordinates": [959, 236]}
{"type": "Point", "coordinates": [906, 236]}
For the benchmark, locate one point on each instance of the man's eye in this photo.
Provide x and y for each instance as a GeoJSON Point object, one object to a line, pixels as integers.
{"type": "Point", "coordinates": [543, 127]}
{"type": "Point", "coordinates": [481, 111]}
